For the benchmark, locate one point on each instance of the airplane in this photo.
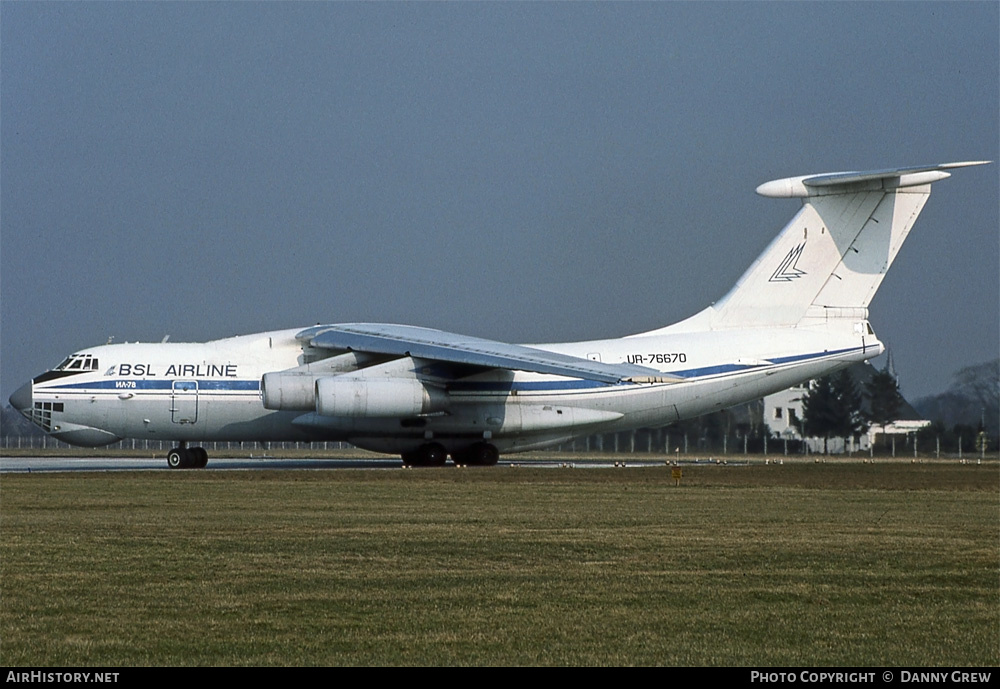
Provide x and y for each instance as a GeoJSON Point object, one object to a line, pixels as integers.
{"type": "Point", "coordinates": [800, 311]}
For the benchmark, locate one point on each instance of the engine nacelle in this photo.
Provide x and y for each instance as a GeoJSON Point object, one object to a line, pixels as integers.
{"type": "Point", "coordinates": [295, 389]}
{"type": "Point", "coordinates": [289, 391]}
{"type": "Point", "coordinates": [376, 397]}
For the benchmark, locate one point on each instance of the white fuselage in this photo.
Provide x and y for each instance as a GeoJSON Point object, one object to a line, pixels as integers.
{"type": "Point", "coordinates": [196, 392]}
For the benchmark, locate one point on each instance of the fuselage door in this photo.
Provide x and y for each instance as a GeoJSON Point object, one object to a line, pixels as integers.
{"type": "Point", "coordinates": [184, 401]}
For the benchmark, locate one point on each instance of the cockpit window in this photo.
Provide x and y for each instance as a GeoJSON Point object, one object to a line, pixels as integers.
{"type": "Point", "coordinates": [78, 362]}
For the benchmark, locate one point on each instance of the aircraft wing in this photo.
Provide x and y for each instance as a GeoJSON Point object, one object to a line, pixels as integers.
{"type": "Point", "coordinates": [439, 345]}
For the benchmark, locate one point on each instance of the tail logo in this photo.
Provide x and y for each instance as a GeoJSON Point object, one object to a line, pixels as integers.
{"type": "Point", "coordinates": [788, 270]}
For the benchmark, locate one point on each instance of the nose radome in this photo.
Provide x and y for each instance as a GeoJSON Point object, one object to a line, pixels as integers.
{"type": "Point", "coordinates": [21, 399]}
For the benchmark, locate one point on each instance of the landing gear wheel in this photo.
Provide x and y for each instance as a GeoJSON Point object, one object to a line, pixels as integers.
{"type": "Point", "coordinates": [429, 455]}
{"type": "Point", "coordinates": [434, 455]}
{"type": "Point", "coordinates": [178, 458]}
{"type": "Point", "coordinates": [482, 454]}
{"type": "Point", "coordinates": [199, 457]}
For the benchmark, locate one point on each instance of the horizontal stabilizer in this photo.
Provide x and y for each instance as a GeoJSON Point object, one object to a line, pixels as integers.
{"type": "Point", "coordinates": [872, 180]}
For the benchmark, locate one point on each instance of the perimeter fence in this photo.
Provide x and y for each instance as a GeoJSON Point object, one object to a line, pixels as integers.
{"type": "Point", "coordinates": [658, 442]}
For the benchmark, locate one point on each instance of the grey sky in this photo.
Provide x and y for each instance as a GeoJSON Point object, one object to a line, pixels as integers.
{"type": "Point", "coordinates": [525, 171]}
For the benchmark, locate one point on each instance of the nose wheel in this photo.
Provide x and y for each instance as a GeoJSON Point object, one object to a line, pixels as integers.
{"type": "Point", "coordinates": [187, 458]}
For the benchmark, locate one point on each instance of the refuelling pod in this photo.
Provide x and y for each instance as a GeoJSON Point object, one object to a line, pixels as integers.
{"type": "Point", "coordinates": [377, 397]}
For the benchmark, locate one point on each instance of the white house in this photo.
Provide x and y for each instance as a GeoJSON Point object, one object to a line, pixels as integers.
{"type": "Point", "coordinates": [783, 415]}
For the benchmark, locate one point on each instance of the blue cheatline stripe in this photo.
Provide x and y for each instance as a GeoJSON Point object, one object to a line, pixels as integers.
{"type": "Point", "coordinates": [689, 374]}
{"type": "Point", "coordinates": [456, 386]}
{"type": "Point", "coordinates": [730, 368]}
{"type": "Point", "coordinates": [714, 370]}
{"type": "Point", "coordinates": [159, 385]}
{"type": "Point", "coordinates": [816, 355]}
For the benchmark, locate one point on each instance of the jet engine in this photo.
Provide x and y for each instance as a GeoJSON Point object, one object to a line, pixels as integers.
{"type": "Point", "coordinates": [289, 391]}
{"type": "Point", "coordinates": [376, 397]}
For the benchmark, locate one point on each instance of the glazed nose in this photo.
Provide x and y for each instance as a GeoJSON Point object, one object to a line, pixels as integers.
{"type": "Point", "coordinates": [21, 399]}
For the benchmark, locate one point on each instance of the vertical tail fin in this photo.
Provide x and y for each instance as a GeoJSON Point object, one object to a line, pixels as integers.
{"type": "Point", "coordinates": [831, 258]}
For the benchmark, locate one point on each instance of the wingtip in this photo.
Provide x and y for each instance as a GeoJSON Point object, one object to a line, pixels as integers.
{"type": "Point", "coordinates": [967, 163]}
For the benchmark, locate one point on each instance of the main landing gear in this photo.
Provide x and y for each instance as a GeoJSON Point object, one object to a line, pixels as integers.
{"type": "Point", "coordinates": [480, 454]}
{"type": "Point", "coordinates": [429, 455]}
{"type": "Point", "coordinates": [435, 455]}
{"type": "Point", "coordinates": [183, 457]}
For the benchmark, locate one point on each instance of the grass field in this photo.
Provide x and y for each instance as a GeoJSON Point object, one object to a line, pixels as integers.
{"type": "Point", "coordinates": [800, 564]}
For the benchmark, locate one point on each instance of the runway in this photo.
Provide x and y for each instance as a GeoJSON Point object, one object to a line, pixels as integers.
{"type": "Point", "coordinates": [10, 465]}
{"type": "Point", "coordinates": [19, 465]}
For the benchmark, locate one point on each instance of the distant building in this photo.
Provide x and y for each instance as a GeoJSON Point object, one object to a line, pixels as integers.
{"type": "Point", "coordinates": [783, 412]}
{"type": "Point", "coordinates": [783, 415]}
